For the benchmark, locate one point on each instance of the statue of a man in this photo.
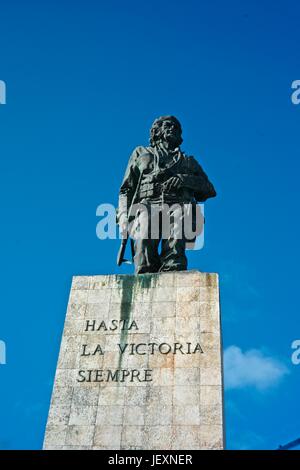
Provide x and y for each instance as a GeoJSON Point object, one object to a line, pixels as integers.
{"type": "Point", "coordinates": [157, 176]}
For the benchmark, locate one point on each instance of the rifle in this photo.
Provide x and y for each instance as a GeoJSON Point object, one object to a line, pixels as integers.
{"type": "Point", "coordinates": [122, 249]}
{"type": "Point", "coordinates": [121, 252]}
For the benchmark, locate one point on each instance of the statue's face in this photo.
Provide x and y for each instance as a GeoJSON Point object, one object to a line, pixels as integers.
{"type": "Point", "coordinates": [171, 132]}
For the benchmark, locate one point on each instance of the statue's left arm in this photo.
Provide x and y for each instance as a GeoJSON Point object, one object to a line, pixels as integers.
{"type": "Point", "coordinates": [195, 179]}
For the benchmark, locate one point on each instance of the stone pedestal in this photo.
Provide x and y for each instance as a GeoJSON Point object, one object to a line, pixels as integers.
{"type": "Point", "coordinates": [139, 365]}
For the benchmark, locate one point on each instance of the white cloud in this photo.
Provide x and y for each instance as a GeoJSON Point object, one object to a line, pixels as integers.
{"type": "Point", "coordinates": [251, 369]}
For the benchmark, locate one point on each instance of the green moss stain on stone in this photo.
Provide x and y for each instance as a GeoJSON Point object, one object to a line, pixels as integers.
{"type": "Point", "coordinates": [144, 281]}
{"type": "Point", "coordinates": [130, 286]}
{"type": "Point", "coordinates": [126, 285]}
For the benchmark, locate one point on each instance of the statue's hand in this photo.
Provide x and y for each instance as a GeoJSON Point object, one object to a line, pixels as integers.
{"type": "Point", "coordinates": [172, 183]}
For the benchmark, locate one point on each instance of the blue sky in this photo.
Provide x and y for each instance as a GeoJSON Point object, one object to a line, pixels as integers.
{"type": "Point", "coordinates": [84, 82]}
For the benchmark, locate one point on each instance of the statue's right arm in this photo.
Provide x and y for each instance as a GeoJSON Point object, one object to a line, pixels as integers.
{"type": "Point", "coordinates": [128, 186]}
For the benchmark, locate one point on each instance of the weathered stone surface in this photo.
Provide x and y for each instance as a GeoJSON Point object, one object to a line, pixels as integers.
{"type": "Point", "coordinates": [102, 396]}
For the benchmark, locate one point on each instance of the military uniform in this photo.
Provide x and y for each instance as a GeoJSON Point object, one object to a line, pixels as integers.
{"type": "Point", "coordinates": [147, 171]}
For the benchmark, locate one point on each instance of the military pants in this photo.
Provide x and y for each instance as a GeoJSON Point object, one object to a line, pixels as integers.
{"type": "Point", "coordinates": [159, 243]}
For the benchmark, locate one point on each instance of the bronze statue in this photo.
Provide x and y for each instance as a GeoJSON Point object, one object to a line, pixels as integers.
{"type": "Point", "coordinates": [159, 176]}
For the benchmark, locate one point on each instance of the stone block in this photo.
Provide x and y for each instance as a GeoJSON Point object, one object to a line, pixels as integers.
{"type": "Point", "coordinates": [139, 365]}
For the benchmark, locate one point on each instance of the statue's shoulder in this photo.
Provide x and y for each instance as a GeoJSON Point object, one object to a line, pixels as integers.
{"type": "Point", "coordinates": [192, 163]}
{"type": "Point", "coordinates": [190, 158]}
{"type": "Point", "coordinates": [138, 151]}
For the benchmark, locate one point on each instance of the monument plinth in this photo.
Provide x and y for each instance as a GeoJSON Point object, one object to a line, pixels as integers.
{"type": "Point", "coordinates": [139, 365]}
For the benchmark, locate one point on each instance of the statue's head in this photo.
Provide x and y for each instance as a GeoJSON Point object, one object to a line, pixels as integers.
{"type": "Point", "coordinates": [166, 129]}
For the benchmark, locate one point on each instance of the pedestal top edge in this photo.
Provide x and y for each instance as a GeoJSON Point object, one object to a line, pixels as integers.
{"type": "Point", "coordinates": [173, 273]}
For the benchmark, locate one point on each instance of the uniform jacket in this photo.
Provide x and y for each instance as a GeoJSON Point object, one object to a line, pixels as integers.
{"type": "Point", "coordinates": [147, 171]}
